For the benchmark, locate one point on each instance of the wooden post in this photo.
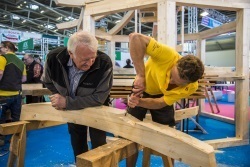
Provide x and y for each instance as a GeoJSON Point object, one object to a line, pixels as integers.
{"type": "Point", "coordinates": [17, 148]}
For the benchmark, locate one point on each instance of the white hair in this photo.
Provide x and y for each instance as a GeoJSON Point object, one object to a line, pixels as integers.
{"type": "Point", "coordinates": [82, 37]}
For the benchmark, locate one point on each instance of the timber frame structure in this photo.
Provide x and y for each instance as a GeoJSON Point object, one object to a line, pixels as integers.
{"type": "Point", "coordinates": [166, 10]}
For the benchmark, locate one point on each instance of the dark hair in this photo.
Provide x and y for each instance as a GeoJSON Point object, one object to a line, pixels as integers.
{"type": "Point", "coordinates": [10, 45]}
{"type": "Point", "coordinates": [128, 61]}
{"type": "Point", "coordinates": [190, 68]}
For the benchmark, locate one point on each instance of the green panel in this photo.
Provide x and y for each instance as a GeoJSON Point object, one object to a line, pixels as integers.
{"type": "Point", "coordinates": [65, 41]}
{"type": "Point", "coordinates": [117, 55]}
{"type": "Point", "coordinates": [26, 45]}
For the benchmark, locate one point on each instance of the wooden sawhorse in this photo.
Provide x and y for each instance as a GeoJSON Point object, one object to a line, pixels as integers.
{"type": "Point", "coordinates": [18, 140]}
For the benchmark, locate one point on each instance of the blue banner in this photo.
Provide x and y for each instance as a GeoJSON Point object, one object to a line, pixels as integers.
{"type": "Point", "coordinates": [209, 22]}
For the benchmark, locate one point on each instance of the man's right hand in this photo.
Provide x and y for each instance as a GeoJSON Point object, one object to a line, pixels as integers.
{"type": "Point", "coordinates": [139, 86]}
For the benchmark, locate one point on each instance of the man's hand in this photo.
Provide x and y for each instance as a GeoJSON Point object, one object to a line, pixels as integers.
{"type": "Point", "coordinates": [139, 86]}
{"type": "Point", "coordinates": [58, 101]}
{"type": "Point", "coordinates": [133, 100]}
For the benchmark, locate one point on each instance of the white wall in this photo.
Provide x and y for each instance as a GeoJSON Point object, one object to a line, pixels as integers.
{"type": "Point", "coordinates": [224, 58]}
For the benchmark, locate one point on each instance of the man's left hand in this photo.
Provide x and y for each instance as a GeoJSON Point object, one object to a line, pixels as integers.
{"type": "Point", "coordinates": [58, 101]}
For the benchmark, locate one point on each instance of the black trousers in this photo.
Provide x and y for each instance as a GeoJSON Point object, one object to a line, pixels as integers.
{"type": "Point", "coordinates": [163, 116]}
{"type": "Point", "coordinates": [78, 134]}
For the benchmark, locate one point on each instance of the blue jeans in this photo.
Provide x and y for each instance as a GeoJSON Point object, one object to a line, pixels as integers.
{"type": "Point", "coordinates": [14, 103]}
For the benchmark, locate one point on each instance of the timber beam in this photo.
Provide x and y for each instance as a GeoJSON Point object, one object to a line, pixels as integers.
{"type": "Point", "coordinates": [107, 155]}
{"type": "Point", "coordinates": [167, 140]}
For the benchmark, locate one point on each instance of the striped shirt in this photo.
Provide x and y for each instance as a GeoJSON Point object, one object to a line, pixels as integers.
{"type": "Point", "coordinates": [74, 77]}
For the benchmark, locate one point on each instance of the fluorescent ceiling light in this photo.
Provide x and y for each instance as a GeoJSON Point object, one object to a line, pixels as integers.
{"type": "Point", "coordinates": [34, 7]}
{"type": "Point", "coordinates": [42, 11]}
{"type": "Point", "coordinates": [49, 26]}
{"type": "Point", "coordinates": [204, 13]}
{"type": "Point", "coordinates": [69, 18]}
{"type": "Point", "coordinates": [15, 17]}
{"type": "Point", "coordinates": [117, 21]}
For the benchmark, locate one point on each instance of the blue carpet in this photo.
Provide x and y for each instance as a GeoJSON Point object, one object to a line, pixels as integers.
{"type": "Point", "coordinates": [50, 147]}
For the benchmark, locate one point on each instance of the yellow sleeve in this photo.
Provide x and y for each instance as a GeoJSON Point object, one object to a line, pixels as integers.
{"type": "Point", "coordinates": [2, 63]}
{"type": "Point", "coordinates": [176, 94]}
{"type": "Point", "coordinates": [160, 52]}
{"type": "Point", "coordinates": [24, 71]}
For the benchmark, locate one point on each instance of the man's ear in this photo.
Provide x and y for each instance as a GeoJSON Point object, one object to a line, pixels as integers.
{"type": "Point", "coordinates": [70, 54]}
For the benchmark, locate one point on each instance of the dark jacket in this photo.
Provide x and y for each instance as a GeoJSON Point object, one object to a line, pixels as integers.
{"type": "Point", "coordinates": [30, 73]}
{"type": "Point", "coordinates": [94, 86]}
{"type": "Point", "coordinates": [13, 73]}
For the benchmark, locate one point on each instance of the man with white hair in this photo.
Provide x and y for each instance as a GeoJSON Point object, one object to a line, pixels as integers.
{"type": "Point", "coordinates": [79, 76]}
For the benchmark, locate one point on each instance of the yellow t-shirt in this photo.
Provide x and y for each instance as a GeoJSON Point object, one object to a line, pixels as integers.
{"type": "Point", "coordinates": [157, 71]}
{"type": "Point", "coordinates": [2, 67]}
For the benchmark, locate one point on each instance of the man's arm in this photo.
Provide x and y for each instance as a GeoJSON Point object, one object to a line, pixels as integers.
{"type": "Point", "coordinates": [24, 78]}
{"type": "Point", "coordinates": [137, 45]}
{"type": "Point", "coordinates": [1, 74]}
{"type": "Point", "coordinates": [150, 103]}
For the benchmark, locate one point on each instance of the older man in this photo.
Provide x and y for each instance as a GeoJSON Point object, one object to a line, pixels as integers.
{"type": "Point", "coordinates": [79, 76]}
{"type": "Point", "coordinates": [34, 73]}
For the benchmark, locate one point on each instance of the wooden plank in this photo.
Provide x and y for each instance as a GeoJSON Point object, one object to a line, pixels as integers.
{"type": "Point", "coordinates": [167, 141]}
{"type": "Point", "coordinates": [120, 38]}
{"type": "Point", "coordinates": [227, 142]}
{"type": "Point", "coordinates": [110, 6]}
{"type": "Point", "coordinates": [225, 28]}
{"type": "Point", "coordinates": [15, 127]}
{"type": "Point", "coordinates": [189, 37]}
{"type": "Point", "coordinates": [107, 155]}
{"type": "Point", "coordinates": [124, 21]}
{"type": "Point", "coordinates": [215, 4]}
{"type": "Point", "coordinates": [149, 19]}
{"type": "Point", "coordinates": [181, 114]}
{"type": "Point", "coordinates": [123, 82]}
{"type": "Point", "coordinates": [67, 25]}
{"type": "Point", "coordinates": [67, 3]}
{"type": "Point", "coordinates": [102, 35]}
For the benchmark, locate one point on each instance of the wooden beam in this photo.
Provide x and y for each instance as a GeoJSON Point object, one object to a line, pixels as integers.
{"type": "Point", "coordinates": [107, 155]}
{"type": "Point", "coordinates": [242, 68]}
{"type": "Point", "coordinates": [102, 35]}
{"type": "Point", "coordinates": [227, 142]}
{"type": "Point", "coordinates": [225, 28]}
{"type": "Point", "coordinates": [67, 3]}
{"type": "Point", "coordinates": [124, 21]}
{"type": "Point", "coordinates": [167, 23]}
{"type": "Point", "coordinates": [167, 141]}
{"type": "Point", "coordinates": [120, 38]}
{"type": "Point", "coordinates": [189, 37]}
{"type": "Point", "coordinates": [149, 19]}
{"type": "Point", "coordinates": [110, 6]}
{"type": "Point", "coordinates": [181, 114]}
{"type": "Point", "coordinates": [80, 20]}
{"type": "Point", "coordinates": [15, 127]}
{"type": "Point", "coordinates": [67, 25]}
{"type": "Point", "coordinates": [215, 4]}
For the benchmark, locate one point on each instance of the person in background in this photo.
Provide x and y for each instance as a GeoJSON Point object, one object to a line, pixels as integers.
{"type": "Point", "coordinates": [79, 76]}
{"type": "Point", "coordinates": [34, 72]}
{"type": "Point", "coordinates": [12, 74]}
{"type": "Point", "coordinates": [128, 61]}
{"type": "Point", "coordinates": [165, 78]}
